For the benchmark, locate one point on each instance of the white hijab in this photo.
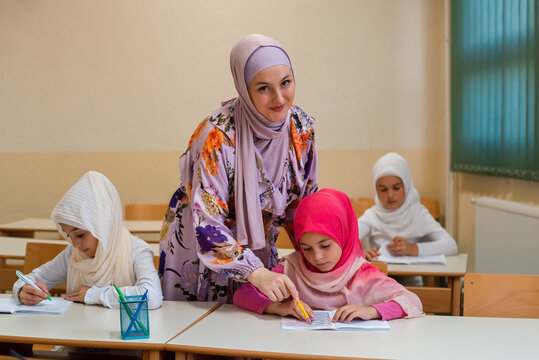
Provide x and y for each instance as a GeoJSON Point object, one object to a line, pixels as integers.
{"type": "Point", "coordinates": [411, 219]}
{"type": "Point", "coordinates": [93, 204]}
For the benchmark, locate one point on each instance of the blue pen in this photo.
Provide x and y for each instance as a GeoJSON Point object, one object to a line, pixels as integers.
{"type": "Point", "coordinates": [29, 282]}
{"type": "Point", "coordinates": [136, 315]}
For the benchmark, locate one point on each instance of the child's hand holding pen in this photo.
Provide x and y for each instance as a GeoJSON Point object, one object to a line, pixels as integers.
{"type": "Point", "coordinates": [307, 316]}
{"type": "Point", "coordinates": [32, 296]}
{"type": "Point", "coordinates": [400, 246]}
{"type": "Point", "coordinates": [290, 307]}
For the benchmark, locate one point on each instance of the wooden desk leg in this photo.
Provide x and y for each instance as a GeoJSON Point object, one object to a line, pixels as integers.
{"type": "Point", "coordinates": [455, 288]}
{"type": "Point", "coordinates": [153, 355]}
{"type": "Point", "coordinates": [179, 355]}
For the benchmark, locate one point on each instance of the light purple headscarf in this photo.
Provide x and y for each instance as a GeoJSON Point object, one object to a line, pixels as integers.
{"type": "Point", "coordinates": [272, 142]}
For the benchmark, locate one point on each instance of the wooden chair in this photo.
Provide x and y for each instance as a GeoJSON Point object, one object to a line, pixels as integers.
{"type": "Point", "coordinates": [362, 204]}
{"type": "Point", "coordinates": [433, 206]}
{"type": "Point", "coordinates": [501, 295]}
{"type": "Point", "coordinates": [145, 211]}
{"type": "Point", "coordinates": [156, 262]}
{"type": "Point", "coordinates": [7, 279]}
{"type": "Point", "coordinates": [382, 266]}
{"type": "Point", "coordinates": [283, 240]}
{"type": "Point", "coordinates": [38, 254]}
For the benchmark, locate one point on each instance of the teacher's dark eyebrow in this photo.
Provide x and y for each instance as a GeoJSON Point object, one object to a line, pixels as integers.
{"type": "Point", "coordinates": [265, 83]}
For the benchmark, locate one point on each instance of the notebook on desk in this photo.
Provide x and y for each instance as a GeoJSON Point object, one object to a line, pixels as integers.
{"type": "Point", "coordinates": [385, 256]}
{"type": "Point", "coordinates": [322, 321]}
{"type": "Point", "coordinates": [58, 305]}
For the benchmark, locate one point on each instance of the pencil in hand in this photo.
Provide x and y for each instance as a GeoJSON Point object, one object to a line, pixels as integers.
{"type": "Point", "coordinates": [300, 305]}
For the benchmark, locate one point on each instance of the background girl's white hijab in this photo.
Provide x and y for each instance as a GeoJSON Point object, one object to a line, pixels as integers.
{"type": "Point", "coordinates": [411, 219]}
{"type": "Point", "coordinates": [93, 204]}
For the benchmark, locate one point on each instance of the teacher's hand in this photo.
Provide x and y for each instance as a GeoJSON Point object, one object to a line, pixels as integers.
{"type": "Point", "coordinates": [276, 287]}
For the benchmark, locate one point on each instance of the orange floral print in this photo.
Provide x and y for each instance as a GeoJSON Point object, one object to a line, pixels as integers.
{"type": "Point", "coordinates": [304, 139]}
{"type": "Point", "coordinates": [295, 140]}
{"type": "Point", "coordinates": [213, 143]}
{"type": "Point", "coordinates": [222, 204]}
{"type": "Point", "coordinates": [189, 188]}
{"type": "Point", "coordinates": [300, 142]}
{"type": "Point", "coordinates": [198, 131]}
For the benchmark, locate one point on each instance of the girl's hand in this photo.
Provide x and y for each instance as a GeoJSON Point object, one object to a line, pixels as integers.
{"type": "Point", "coordinates": [349, 312]}
{"type": "Point", "coordinates": [31, 296]}
{"type": "Point", "coordinates": [400, 246]}
{"type": "Point", "coordinates": [372, 254]}
{"type": "Point", "coordinates": [289, 308]}
{"type": "Point", "coordinates": [277, 287]}
{"type": "Point", "coordinates": [77, 295]}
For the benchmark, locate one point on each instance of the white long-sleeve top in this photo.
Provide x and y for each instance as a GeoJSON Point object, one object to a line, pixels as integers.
{"type": "Point", "coordinates": [435, 243]}
{"type": "Point", "coordinates": [54, 273]}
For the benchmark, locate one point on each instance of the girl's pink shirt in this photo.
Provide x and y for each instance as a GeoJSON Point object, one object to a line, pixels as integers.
{"type": "Point", "coordinates": [248, 297]}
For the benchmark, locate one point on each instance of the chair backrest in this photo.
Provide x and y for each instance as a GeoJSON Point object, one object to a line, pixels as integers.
{"type": "Point", "coordinates": [38, 254]}
{"type": "Point", "coordinates": [145, 211]}
{"type": "Point", "coordinates": [501, 295]}
{"type": "Point", "coordinates": [283, 240]}
{"type": "Point", "coordinates": [156, 262]}
{"type": "Point", "coordinates": [433, 206]}
{"type": "Point", "coordinates": [382, 266]}
{"type": "Point", "coordinates": [362, 204]}
{"type": "Point", "coordinates": [7, 279]}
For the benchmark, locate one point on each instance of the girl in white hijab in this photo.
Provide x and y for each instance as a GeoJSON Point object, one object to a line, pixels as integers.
{"type": "Point", "coordinates": [399, 219]}
{"type": "Point", "coordinates": [101, 251]}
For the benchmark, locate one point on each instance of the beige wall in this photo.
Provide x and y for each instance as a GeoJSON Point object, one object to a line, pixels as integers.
{"type": "Point", "coordinates": [40, 179]}
{"type": "Point", "coordinates": [119, 85]}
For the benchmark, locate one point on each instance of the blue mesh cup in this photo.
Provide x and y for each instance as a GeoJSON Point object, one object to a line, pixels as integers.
{"type": "Point", "coordinates": [134, 321]}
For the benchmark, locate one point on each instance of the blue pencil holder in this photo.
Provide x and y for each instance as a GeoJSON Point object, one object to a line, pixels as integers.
{"type": "Point", "coordinates": [134, 320]}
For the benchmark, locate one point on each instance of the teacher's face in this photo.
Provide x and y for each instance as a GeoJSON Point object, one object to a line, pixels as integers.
{"type": "Point", "coordinates": [272, 92]}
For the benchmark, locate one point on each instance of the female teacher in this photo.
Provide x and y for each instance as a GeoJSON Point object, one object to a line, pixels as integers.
{"type": "Point", "coordinates": [246, 168]}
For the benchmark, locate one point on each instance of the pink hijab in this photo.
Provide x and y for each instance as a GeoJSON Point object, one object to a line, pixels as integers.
{"type": "Point", "coordinates": [272, 142]}
{"type": "Point", "coordinates": [353, 280]}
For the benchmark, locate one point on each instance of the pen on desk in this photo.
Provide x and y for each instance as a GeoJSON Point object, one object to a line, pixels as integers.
{"type": "Point", "coordinates": [29, 282]}
{"type": "Point", "coordinates": [300, 305]}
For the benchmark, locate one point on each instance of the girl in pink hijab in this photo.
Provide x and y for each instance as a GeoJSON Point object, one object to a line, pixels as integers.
{"type": "Point", "coordinates": [246, 167]}
{"type": "Point", "coordinates": [330, 271]}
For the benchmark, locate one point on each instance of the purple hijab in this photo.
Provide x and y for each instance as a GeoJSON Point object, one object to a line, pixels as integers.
{"type": "Point", "coordinates": [272, 143]}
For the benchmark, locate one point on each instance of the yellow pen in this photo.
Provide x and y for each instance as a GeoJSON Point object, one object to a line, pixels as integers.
{"type": "Point", "coordinates": [300, 305]}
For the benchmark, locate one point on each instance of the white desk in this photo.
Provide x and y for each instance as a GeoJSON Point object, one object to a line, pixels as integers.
{"type": "Point", "coordinates": [234, 332]}
{"type": "Point", "coordinates": [27, 227]}
{"type": "Point", "coordinates": [96, 326]}
{"type": "Point", "coordinates": [15, 247]}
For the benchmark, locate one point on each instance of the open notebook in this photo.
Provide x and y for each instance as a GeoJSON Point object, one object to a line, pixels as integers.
{"type": "Point", "coordinates": [58, 305]}
{"type": "Point", "coordinates": [385, 256]}
{"type": "Point", "coordinates": [322, 321]}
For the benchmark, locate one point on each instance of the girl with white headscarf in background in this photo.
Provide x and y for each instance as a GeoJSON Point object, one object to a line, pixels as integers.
{"type": "Point", "coordinates": [101, 251]}
{"type": "Point", "coordinates": [398, 219]}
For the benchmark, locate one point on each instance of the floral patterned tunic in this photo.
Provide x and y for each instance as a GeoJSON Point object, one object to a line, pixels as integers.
{"type": "Point", "coordinates": [200, 260]}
